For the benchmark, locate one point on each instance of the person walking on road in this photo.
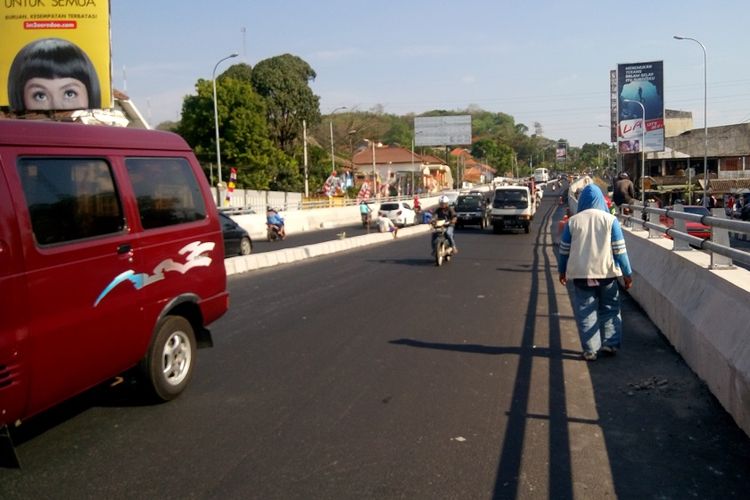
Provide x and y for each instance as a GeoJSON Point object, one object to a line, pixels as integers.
{"type": "Point", "coordinates": [593, 254]}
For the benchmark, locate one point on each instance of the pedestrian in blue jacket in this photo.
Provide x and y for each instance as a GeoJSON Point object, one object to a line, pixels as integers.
{"type": "Point", "coordinates": [593, 254]}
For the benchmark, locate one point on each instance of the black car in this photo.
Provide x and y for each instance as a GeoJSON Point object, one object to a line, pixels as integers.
{"type": "Point", "coordinates": [472, 209]}
{"type": "Point", "coordinates": [236, 239]}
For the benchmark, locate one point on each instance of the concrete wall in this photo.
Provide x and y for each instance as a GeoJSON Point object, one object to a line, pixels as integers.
{"type": "Point", "coordinates": [704, 313]}
{"type": "Point", "coordinates": [297, 221]}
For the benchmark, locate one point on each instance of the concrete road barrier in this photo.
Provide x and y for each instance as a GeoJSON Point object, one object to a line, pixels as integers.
{"type": "Point", "coordinates": [252, 262]}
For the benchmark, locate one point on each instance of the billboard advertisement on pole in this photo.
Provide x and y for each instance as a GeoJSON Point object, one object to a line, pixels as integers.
{"type": "Point", "coordinates": [442, 130]}
{"type": "Point", "coordinates": [55, 55]}
{"type": "Point", "coordinates": [640, 90]}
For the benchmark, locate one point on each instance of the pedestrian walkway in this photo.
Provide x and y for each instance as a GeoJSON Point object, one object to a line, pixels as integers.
{"type": "Point", "coordinates": [638, 425]}
{"type": "Point", "coordinates": [656, 426]}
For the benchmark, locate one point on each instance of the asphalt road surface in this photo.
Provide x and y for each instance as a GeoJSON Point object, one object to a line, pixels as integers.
{"type": "Point", "coordinates": [375, 374]}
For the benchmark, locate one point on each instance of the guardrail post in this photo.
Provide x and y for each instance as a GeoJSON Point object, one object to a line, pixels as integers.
{"type": "Point", "coordinates": [680, 225]}
{"type": "Point", "coordinates": [639, 213]}
{"type": "Point", "coordinates": [654, 219]}
{"type": "Point", "coordinates": [720, 236]}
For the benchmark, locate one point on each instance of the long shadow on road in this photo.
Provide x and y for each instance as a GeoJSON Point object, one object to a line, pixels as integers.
{"type": "Point", "coordinates": [665, 434]}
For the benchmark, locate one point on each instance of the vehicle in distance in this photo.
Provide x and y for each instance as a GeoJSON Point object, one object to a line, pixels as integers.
{"type": "Point", "coordinates": [236, 240]}
{"type": "Point", "coordinates": [696, 229]}
{"type": "Point", "coordinates": [472, 209]}
{"type": "Point", "coordinates": [400, 213]}
{"type": "Point", "coordinates": [512, 207]}
{"type": "Point", "coordinates": [541, 175]}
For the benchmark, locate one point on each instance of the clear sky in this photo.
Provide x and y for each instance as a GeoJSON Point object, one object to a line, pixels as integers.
{"type": "Point", "coordinates": [537, 60]}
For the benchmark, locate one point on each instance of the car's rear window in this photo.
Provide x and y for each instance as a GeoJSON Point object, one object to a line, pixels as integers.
{"type": "Point", "coordinates": [511, 198]}
{"type": "Point", "coordinates": [468, 202]}
{"type": "Point", "coordinates": [386, 207]}
{"type": "Point", "coordinates": [697, 210]}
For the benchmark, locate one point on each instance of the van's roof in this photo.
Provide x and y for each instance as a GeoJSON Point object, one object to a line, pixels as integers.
{"type": "Point", "coordinates": [49, 133]}
{"type": "Point", "coordinates": [514, 187]}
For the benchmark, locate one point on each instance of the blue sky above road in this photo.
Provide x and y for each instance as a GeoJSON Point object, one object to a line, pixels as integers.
{"type": "Point", "coordinates": [539, 61]}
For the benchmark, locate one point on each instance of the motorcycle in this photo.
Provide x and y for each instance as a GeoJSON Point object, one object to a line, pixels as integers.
{"type": "Point", "coordinates": [443, 248]}
{"type": "Point", "coordinates": [272, 232]}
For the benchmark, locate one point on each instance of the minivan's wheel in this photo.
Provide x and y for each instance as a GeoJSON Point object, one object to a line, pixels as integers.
{"type": "Point", "coordinates": [245, 246]}
{"type": "Point", "coordinates": [526, 228]}
{"type": "Point", "coordinates": [168, 365]}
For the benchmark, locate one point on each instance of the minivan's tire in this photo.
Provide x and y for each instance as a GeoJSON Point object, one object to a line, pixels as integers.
{"type": "Point", "coordinates": [526, 228]}
{"type": "Point", "coordinates": [246, 247]}
{"type": "Point", "coordinates": [168, 365]}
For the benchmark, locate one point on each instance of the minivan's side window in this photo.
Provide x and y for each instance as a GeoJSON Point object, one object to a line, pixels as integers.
{"type": "Point", "coordinates": [166, 190]}
{"type": "Point", "coordinates": [70, 198]}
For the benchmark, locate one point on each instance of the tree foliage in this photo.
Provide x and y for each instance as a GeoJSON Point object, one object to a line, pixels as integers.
{"type": "Point", "coordinates": [261, 110]}
{"type": "Point", "coordinates": [244, 137]}
{"type": "Point", "coordinates": [242, 72]}
{"type": "Point", "coordinates": [283, 81]}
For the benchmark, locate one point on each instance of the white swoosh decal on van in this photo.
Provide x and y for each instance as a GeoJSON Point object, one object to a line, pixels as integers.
{"type": "Point", "coordinates": [195, 256]}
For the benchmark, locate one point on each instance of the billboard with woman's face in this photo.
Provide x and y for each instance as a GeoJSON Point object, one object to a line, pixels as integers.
{"type": "Point", "coordinates": [55, 55]}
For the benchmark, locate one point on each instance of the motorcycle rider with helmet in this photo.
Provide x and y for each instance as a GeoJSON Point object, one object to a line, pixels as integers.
{"type": "Point", "coordinates": [445, 213]}
{"type": "Point", "coordinates": [275, 222]}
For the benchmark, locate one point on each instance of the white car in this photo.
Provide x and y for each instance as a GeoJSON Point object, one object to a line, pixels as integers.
{"type": "Point", "coordinates": [400, 213]}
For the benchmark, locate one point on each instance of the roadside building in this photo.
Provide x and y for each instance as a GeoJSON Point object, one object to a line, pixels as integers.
{"type": "Point", "coordinates": [678, 171]}
{"type": "Point", "coordinates": [394, 170]}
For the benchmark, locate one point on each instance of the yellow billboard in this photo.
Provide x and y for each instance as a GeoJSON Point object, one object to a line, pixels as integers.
{"type": "Point", "coordinates": [55, 55]}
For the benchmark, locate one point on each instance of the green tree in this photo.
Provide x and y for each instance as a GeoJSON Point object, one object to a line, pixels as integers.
{"type": "Point", "coordinates": [242, 72]}
{"type": "Point", "coordinates": [283, 81]}
{"type": "Point", "coordinates": [243, 134]}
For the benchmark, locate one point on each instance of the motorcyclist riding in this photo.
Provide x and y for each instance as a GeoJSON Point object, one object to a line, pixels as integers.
{"type": "Point", "coordinates": [365, 212]}
{"type": "Point", "coordinates": [446, 213]}
{"type": "Point", "coordinates": [275, 221]}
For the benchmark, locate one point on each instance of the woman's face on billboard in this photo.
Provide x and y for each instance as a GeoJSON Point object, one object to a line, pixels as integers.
{"type": "Point", "coordinates": [55, 94]}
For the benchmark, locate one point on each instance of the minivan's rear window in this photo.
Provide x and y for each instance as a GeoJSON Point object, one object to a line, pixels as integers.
{"type": "Point", "coordinates": [70, 198]}
{"type": "Point", "coordinates": [166, 190]}
{"type": "Point", "coordinates": [510, 198]}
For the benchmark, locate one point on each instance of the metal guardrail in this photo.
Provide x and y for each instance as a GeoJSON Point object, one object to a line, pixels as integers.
{"type": "Point", "coordinates": [335, 202]}
{"type": "Point", "coordinates": [718, 246]}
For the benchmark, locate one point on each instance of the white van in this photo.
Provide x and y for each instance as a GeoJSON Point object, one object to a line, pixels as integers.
{"type": "Point", "coordinates": [541, 175]}
{"type": "Point", "coordinates": [512, 207]}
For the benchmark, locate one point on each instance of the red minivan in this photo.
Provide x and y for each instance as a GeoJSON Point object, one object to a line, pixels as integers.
{"type": "Point", "coordinates": [111, 258]}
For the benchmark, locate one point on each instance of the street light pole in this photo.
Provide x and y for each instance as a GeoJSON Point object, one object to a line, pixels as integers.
{"type": "Point", "coordinates": [705, 119]}
{"type": "Point", "coordinates": [643, 150]}
{"type": "Point", "coordinates": [333, 163]}
{"type": "Point", "coordinates": [216, 123]}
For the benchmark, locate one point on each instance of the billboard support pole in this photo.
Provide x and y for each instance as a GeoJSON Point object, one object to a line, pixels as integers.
{"type": "Point", "coordinates": [643, 150]}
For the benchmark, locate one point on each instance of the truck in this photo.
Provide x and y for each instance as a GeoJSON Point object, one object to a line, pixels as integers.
{"type": "Point", "coordinates": [512, 207]}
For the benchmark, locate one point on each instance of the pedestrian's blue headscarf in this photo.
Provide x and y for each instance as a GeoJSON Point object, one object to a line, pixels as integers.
{"type": "Point", "coordinates": [591, 197]}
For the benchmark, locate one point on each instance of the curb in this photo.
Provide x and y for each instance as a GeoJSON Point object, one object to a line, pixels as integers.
{"type": "Point", "coordinates": [253, 262]}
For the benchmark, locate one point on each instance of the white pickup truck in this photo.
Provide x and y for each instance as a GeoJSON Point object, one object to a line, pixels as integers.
{"type": "Point", "coordinates": [512, 207]}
